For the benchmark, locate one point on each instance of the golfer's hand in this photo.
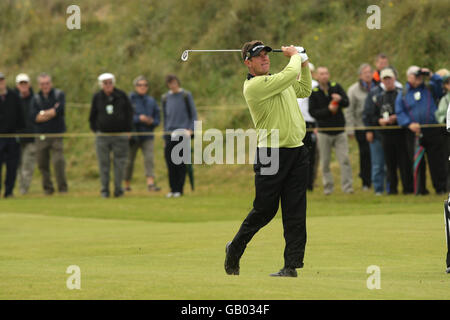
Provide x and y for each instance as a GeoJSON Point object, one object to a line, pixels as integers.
{"type": "Point", "coordinates": [383, 122]}
{"type": "Point", "coordinates": [414, 127]}
{"type": "Point", "coordinates": [289, 51]}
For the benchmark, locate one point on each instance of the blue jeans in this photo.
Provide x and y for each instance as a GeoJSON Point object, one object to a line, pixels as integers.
{"type": "Point", "coordinates": [378, 165]}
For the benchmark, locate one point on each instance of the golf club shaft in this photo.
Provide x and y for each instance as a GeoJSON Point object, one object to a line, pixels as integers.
{"type": "Point", "coordinates": [185, 55]}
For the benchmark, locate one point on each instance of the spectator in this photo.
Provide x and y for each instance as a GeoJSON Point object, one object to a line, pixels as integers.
{"type": "Point", "coordinates": [179, 114]}
{"type": "Point", "coordinates": [111, 112]}
{"type": "Point", "coordinates": [381, 62]}
{"type": "Point", "coordinates": [393, 141]}
{"type": "Point", "coordinates": [441, 114]}
{"type": "Point", "coordinates": [27, 144]}
{"type": "Point", "coordinates": [357, 94]}
{"type": "Point", "coordinates": [48, 112]}
{"type": "Point", "coordinates": [416, 107]}
{"type": "Point", "coordinates": [145, 119]}
{"type": "Point", "coordinates": [310, 139]}
{"type": "Point", "coordinates": [11, 121]}
{"type": "Point", "coordinates": [325, 105]}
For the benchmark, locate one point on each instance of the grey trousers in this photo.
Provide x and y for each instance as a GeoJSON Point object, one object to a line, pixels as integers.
{"type": "Point", "coordinates": [147, 151]}
{"type": "Point", "coordinates": [51, 148]}
{"type": "Point", "coordinates": [118, 146]}
{"type": "Point", "coordinates": [26, 166]}
{"type": "Point", "coordinates": [326, 143]}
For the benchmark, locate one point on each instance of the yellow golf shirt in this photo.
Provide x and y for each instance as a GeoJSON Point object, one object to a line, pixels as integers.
{"type": "Point", "coordinates": [272, 100]}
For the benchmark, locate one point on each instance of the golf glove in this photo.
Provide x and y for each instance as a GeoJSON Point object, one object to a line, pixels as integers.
{"type": "Point", "coordinates": [302, 52]}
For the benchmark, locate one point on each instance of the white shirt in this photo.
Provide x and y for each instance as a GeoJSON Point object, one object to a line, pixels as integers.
{"type": "Point", "coordinates": [448, 118]}
{"type": "Point", "coordinates": [303, 104]}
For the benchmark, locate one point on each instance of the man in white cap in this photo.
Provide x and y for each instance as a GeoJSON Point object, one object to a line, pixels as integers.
{"type": "Point", "coordinates": [381, 112]}
{"type": "Point", "coordinates": [27, 144]}
{"type": "Point", "coordinates": [415, 107]}
{"type": "Point", "coordinates": [111, 112]}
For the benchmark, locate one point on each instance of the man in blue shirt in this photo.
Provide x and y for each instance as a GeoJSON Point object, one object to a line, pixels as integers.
{"type": "Point", "coordinates": [179, 116]}
{"type": "Point", "coordinates": [145, 119]}
{"type": "Point", "coordinates": [415, 107]}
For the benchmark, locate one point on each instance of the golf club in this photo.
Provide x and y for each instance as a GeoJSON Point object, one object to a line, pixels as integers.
{"type": "Point", "coordinates": [185, 55]}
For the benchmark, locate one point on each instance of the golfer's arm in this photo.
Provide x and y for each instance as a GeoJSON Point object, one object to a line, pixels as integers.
{"type": "Point", "coordinates": [303, 87]}
{"type": "Point", "coordinates": [265, 87]}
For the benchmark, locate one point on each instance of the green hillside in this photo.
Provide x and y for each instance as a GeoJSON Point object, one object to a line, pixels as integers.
{"type": "Point", "coordinates": [147, 37]}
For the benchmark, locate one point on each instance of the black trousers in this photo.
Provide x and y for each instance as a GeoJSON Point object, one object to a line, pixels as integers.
{"type": "Point", "coordinates": [397, 158]}
{"type": "Point", "coordinates": [310, 142]}
{"type": "Point", "coordinates": [288, 185]}
{"type": "Point", "coordinates": [176, 172]}
{"type": "Point", "coordinates": [365, 165]}
{"type": "Point", "coordinates": [10, 155]}
{"type": "Point", "coordinates": [433, 141]}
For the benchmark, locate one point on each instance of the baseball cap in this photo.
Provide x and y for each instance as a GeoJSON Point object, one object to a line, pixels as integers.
{"type": "Point", "coordinates": [387, 72]}
{"type": "Point", "coordinates": [413, 70]}
{"type": "Point", "coordinates": [2, 76]}
{"type": "Point", "coordinates": [22, 78]}
{"type": "Point", "coordinates": [106, 76]}
{"type": "Point", "coordinates": [253, 48]}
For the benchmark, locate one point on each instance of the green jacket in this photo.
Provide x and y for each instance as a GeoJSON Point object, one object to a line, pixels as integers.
{"type": "Point", "coordinates": [441, 112]}
{"type": "Point", "coordinates": [272, 100]}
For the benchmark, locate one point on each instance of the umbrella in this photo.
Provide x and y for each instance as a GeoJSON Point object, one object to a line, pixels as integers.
{"type": "Point", "coordinates": [190, 172]}
{"type": "Point", "coordinates": [418, 159]}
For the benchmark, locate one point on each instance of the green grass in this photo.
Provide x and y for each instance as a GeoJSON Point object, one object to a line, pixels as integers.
{"type": "Point", "coordinates": [155, 248]}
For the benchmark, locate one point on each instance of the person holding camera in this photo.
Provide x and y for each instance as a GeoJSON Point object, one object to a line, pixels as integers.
{"type": "Point", "coordinates": [415, 107]}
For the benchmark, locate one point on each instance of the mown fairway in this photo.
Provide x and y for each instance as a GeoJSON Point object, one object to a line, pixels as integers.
{"type": "Point", "coordinates": [142, 247]}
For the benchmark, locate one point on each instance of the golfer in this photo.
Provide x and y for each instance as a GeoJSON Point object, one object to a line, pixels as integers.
{"type": "Point", "coordinates": [272, 100]}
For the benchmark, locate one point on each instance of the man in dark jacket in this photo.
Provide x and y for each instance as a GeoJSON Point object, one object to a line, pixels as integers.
{"type": "Point", "coordinates": [11, 121]}
{"type": "Point", "coordinates": [48, 113]}
{"type": "Point", "coordinates": [381, 112]}
{"type": "Point", "coordinates": [145, 119]}
{"type": "Point", "coordinates": [111, 112]}
{"type": "Point", "coordinates": [27, 144]}
{"type": "Point", "coordinates": [325, 105]}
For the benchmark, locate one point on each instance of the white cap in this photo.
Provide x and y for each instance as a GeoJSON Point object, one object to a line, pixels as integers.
{"type": "Point", "coordinates": [22, 78]}
{"type": "Point", "coordinates": [412, 70]}
{"type": "Point", "coordinates": [106, 76]}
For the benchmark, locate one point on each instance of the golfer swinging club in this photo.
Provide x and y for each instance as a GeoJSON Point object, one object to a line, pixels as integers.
{"type": "Point", "coordinates": [272, 100]}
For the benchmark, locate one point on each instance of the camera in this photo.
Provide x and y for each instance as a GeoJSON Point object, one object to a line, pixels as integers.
{"type": "Point", "coordinates": [422, 72]}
